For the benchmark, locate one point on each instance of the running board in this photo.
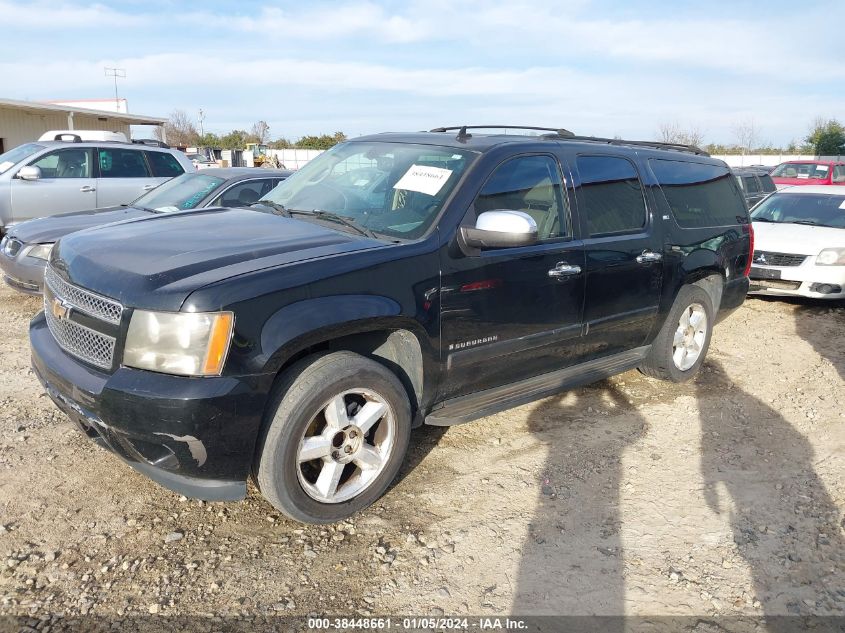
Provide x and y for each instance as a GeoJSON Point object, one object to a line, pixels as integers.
{"type": "Point", "coordinates": [483, 403]}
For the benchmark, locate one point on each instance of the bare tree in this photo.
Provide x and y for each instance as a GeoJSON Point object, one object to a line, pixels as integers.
{"type": "Point", "coordinates": [261, 132]}
{"type": "Point", "coordinates": [746, 135]}
{"type": "Point", "coordinates": [179, 130]}
{"type": "Point", "coordinates": [673, 132]}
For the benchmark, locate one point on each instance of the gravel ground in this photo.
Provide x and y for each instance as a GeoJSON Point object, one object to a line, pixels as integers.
{"type": "Point", "coordinates": [720, 497]}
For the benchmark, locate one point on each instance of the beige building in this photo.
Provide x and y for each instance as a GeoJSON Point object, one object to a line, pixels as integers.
{"type": "Point", "coordinates": [24, 121]}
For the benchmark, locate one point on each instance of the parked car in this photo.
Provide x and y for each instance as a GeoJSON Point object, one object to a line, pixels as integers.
{"type": "Point", "coordinates": [25, 249]}
{"type": "Point", "coordinates": [754, 183]}
{"type": "Point", "coordinates": [72, 174]}
{"type": "Point", "coordinates": [809, 172]}
{"type": "Point", "coordinates": [200, 161]}
{"type": "Point", "coordinates": [800, 243]}
{"type": "Point", "coordinates": [302, 346]}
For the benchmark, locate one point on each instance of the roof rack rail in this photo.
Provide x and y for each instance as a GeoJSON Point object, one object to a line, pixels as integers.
{"type": "Point", "coordinates": [678, 147]}
{"type": "Point", "coordinates": [151, 142]}
{"type": "Point", "coordinates": [74, 138]}
{"type": "Point", "coordinates": [461, 128]}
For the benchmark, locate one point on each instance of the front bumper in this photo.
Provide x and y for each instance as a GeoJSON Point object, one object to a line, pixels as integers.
{"type": "Point", "coordinates": [195, 436]}
{"type": "Point", "coordinates": [24, 274]}
{"type": "Point", "coordinates": [806, 280]}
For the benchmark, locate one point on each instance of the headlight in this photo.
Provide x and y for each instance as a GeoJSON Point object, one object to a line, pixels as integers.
{"type": "Point", "coordinates": [831, 257]}
{"type": "Point", "coordinates": [40, 251]}
{"type": "Point", "coordinates": [183, 343]}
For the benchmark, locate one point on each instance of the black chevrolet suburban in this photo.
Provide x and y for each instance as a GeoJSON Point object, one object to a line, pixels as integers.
{"type": "Point", "coordinates": [395, 280]}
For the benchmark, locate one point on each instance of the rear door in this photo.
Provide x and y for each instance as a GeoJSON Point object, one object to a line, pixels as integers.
{"type": "Point", "coordinates": [624, 254]}
{"type": "Point", "coordinates": [66, 184]}
{"type": "Point", "coordinates": [123, 175]}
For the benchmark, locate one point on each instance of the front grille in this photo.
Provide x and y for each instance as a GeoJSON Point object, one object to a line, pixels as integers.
{"type": "Point", "coordinates": [84, 343]}
{"type": "Point", "coordinates": [85, 300]}
{"type": "Point", "coordinates": [11, 246]}
{"type": "Point", "coordinates": [767, 258]}
{"type": "Point", "coordinates": [61, 299]}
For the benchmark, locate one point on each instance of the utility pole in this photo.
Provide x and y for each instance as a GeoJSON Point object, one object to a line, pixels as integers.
{"type": "Point", "coordinates": [116, 73]}
{"type": "Point", "coordinates": [201, 118]}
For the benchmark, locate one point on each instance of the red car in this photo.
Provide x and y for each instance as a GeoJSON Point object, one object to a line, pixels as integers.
{"type": "Point", "coordinates": [809, 172]}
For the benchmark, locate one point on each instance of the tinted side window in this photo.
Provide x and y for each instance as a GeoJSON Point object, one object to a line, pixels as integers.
{"type": "Point", "coordinates": [66, 163]}
{"type": "Point", "coordinates": [243, 193]}
{"type": "Point", "coordinates": [751, 184]}
{"type": "Point", "coordinates": [613, 195]}
{"type": "Point", "coordinates": [164, 165]}
{"type": "Point", "coordinates": [767, 183]}
{"type": "Point", "coordinates": [531, 184]}
{"type": "Point", "coordinates": [700, 195]}
{"type": "Point", "coordinates": [122, 163]}
{"type": "Point", "coordinates": [839, 173]}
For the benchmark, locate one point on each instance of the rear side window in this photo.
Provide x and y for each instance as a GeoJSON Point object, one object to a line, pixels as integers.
{"type": "Point", "coordinates": [122, 163]}
{"type": "Point", "coordinates": [164, 165]}
{"type": "Point", "coordinates": [700, 195]}
{"type": "Point", "coordinates": [612, 194]}
{"type": "Point", "coordinates": [751, 184]}
{"type": "Point", "coordinates": [769, 184]}
{"type": "Point", "coordinates": [839, 173]}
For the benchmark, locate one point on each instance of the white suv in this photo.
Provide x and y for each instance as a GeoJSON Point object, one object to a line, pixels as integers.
{"type": "Point", "coordinates": [71, 174]}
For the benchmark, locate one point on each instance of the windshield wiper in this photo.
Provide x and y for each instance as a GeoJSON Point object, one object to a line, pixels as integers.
{"type": "Point", "coordinates": [807, 222]}
{"type": "Point", "coordinates": [753, 219]}
{"type": "Point", "coordinates": [277, 208]}
{"type": "Point", "coordinates": [334, 217]}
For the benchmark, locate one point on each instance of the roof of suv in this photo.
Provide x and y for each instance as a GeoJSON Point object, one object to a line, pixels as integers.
{"type": "Point", "coordinates": [243, 172]}
{"type": "Point", "coordinates": [467, 138]}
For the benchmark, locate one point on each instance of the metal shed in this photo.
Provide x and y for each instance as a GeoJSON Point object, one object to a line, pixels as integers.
{"type": "Point", "coordinates": [25, 121]}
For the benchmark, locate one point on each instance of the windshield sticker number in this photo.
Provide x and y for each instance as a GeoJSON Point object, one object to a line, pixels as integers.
{"type": "Point", "coordinates": [424, 179]}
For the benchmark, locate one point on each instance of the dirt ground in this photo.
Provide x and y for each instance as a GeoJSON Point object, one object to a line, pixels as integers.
{"type": "Point", "coordinates": [724, 496]}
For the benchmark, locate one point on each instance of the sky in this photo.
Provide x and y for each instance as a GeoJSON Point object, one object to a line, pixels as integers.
{"type": "Point", "coordinates": [596, 67]}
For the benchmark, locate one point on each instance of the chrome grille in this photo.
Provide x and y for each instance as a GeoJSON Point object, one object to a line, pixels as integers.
{"type": "Point", "coordinates": [84, 343]}
{"type": "Point", "coordinates": [84, 300]}
{"type": "Point", "coordinates": [767, 258]}
{"type": "Point", "coordinates": [61, 300]}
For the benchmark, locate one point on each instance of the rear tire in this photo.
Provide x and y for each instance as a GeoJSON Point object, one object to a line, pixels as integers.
{"type": "Point", "coordinates": [337, 431]}
{"type": "Point", "coordinates": [682, 343]}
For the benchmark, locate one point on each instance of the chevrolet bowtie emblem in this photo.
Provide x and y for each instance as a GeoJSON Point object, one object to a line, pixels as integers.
{"type": "Point", "coordinates": [60, 309]}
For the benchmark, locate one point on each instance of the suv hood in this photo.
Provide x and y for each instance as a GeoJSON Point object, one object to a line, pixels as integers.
{"type": "Point", "coordinates": [156, 262]}
{"type": "Point", "coordinates": [51, 228]}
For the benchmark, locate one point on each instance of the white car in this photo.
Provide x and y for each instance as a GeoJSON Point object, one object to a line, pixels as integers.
{"type": "Point", "coordinates": [799, 243]}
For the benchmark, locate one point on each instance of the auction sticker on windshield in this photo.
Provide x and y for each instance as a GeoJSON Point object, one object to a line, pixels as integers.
{"type": "Point", "coordinates": [424, 179]}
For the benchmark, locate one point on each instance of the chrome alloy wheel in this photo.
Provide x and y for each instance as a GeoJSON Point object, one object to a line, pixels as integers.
{"type": "Point", "coordinates": [689, 337]}
{"type": "Point", "coordinates": [346, 446]}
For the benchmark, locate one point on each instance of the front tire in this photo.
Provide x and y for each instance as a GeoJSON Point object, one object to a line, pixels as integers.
{"type": "Point", "coordinates": [682, 343]}
{"type": "Point", "coordinates": [336, 435]}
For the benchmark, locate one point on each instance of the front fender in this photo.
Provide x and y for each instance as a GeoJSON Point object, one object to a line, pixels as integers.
{"type": "Point", "coordinates": [313, 321]}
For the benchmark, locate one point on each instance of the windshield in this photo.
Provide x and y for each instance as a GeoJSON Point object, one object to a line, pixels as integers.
{"type": "Point", "coordinates": [14, 156]}
{"type": "Point", "coordinates": [801, 170]}
{"type": "Point", "coordinates": [183, 192]}
{"type": "Point", "coordinates": [394, 189]}
{"type": "Point", "coordinates": [802, 208]}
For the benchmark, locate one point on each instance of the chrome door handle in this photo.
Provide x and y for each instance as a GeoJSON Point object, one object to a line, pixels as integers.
{"type": "Point", "coordinates": [562, 269]}
{"type": "Point", "coordinates": [648, 257]}
{"type": "Point", "coordinates": [87, 189]}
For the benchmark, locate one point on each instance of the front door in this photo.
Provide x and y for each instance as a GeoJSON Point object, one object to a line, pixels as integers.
{"type": "Point", "coordinates": [624, 255]}
{"type": "Point", "coordinates": [66, 184]}
{"type": "Point", "coordinates": [511, 313]}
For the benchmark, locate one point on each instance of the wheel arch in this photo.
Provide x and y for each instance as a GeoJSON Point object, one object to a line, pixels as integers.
{"type": "Point", "coordinates": [370, 325]}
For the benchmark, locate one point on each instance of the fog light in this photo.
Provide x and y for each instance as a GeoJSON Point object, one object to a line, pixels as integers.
{"type": "Point", "coordinates": [826, 289]}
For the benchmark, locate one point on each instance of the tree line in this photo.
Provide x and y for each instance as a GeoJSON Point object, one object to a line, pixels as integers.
{"type": "Point", "coordinates": [181, 131]}
{"type": "Point", "coordinates": [826, 137]}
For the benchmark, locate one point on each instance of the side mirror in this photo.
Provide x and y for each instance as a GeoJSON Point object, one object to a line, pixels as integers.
{"type": "Point", "coordinates": [500, 229]}
{"type": "Point", "coordinates": [30, 172]}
